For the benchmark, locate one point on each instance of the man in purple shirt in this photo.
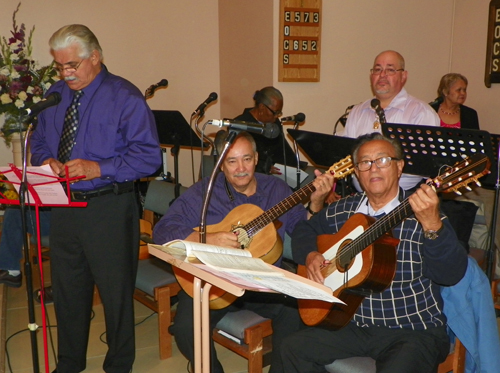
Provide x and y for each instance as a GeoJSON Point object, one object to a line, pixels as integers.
{"type": "Point", "coordinates": [115, 143]}
{"type": "Point", "coordinates": [237, 184]}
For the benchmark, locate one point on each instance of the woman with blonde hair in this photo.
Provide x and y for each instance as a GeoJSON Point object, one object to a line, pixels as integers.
{"type": "Point", "coordinates": [452, 93]}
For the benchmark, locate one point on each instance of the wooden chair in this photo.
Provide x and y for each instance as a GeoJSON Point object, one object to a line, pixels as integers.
{"type": "Point", "coordinates": [247, 334]}
{"type": "Point", "coordinates": [155, 282]}
{"type": "Point", "coordinates": [495, 292]}
{"type": "Point", "coordinates": [155, 286]}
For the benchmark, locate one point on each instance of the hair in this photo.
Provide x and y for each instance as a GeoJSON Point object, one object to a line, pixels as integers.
{"type": "Point", "coordinates": [447, 81]}
{"type": "Point", "coordinates": [76, 34]}
{"type": "Point", "coordinates": [361, 140]}
{"type": "Point", "coordinates": [265, 95]}
{"type": "Point", "coordinates": [401, 59]}
{"type": "Point", "coordinates": [222, 135]}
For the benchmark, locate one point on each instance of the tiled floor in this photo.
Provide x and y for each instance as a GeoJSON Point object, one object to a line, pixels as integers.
{"type": "Point", "coordinates": [147, 360]}
{"type": "Point", "coordinates": [19, 351]}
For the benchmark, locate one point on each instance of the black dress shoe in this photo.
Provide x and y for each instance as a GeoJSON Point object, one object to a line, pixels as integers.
{"type": "Point", "coordinates": [37, 294]}
{"type": "Point", "coordinates": [9, 280]}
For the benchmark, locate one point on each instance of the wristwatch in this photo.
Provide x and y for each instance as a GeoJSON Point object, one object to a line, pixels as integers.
{"type": "Point", "coordinates": [308, 208]}
{"type": "Point", "coordinates": [432, 235]}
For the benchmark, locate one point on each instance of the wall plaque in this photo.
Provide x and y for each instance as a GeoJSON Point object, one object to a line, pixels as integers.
{"type": "Point", "coordinates": [300, 40]}
{"type": "Point", "coordinates": [492, 70]}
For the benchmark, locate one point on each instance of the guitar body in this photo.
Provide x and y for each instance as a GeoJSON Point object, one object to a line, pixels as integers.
{"type": "Point", "coordinates": [372, 270]}
{"type": "Point", "coordinates": [266, 245]}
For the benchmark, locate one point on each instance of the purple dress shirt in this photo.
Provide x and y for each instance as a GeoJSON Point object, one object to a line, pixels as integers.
{"type": "Point", "coordinates": [185, 212]}
{"type": "Point", "coordinates": [116, 129]}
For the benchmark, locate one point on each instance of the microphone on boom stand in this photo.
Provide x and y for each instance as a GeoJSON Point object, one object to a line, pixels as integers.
{"type": "Point", "coordinates": [152, 88]}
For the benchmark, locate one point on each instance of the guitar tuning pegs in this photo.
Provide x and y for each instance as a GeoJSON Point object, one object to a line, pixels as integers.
{"type": "Point", "coordinates": [478, 183]}
{"type": "Point", "coordinates": [468, 188]}
{"type": "Point", "coordinates": [458, 192]}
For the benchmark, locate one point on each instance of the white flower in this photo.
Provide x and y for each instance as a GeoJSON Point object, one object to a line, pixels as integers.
{"type": "Point", "coordinates": [15, 75]}
{"type": "Point", "coordinates": [36, 99]}
{"type": "Point", "coordinates": [5, 71]}
{"type": "Point", "coordinates": [30, 89]}
{"type": "Point", "coordinates": [19, 103]}
{"type": "Point", "coordinates": [22, 95]}
{"type": "Point", "coordinates": [46, 86]}
{"type": "Point", "coordinates": [5, 98]}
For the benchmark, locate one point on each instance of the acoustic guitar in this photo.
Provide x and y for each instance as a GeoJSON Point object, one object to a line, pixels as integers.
{"type": "Point", "coordinates": [258, 235]}
{"type": "Point", "coordinates": [362, 253]}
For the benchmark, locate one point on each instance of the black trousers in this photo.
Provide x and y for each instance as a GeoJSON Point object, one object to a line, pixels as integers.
{"type": "Point", "coordinates": [395, 350]}
{"type": "Point", "coordinates": [97, 244]}
{"type": "Point", "coordinates": [281, 309]}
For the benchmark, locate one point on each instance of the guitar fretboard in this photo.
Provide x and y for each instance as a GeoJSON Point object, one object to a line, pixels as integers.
{"type": "Point", "coordinates": [375, 231]}
{"type": "Point", "coordinates": [279, 209]}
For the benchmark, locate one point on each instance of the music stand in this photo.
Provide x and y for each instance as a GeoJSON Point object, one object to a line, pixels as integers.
{"type": "Point", "coordinates": [174, 130]}
{"type": "Point", "coordinates": [24, 186]}
{"type": "Point", "coordinates": [323, 150]}
{"type": "Point", "coordinates": [427, 149]}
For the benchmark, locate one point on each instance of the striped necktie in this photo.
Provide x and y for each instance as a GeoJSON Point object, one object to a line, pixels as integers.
{"type": "Point", "coordinates": [69, 130]}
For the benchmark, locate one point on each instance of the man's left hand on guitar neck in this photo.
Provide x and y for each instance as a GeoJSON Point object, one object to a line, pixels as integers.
{"type": "Point", "coordinates": [323, 184]}
{"type": "Point", "coordinates": [425, 204]}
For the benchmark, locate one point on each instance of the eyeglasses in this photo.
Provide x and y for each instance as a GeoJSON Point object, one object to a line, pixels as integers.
{"type": "Point", "coordinates": [389, 71]}
{"type": "Point", "coordinates": [70, 69]}
{"type": "Point", "coordinates": [277, 114]}
{"type": "Point", "coordinates": [382, 162]}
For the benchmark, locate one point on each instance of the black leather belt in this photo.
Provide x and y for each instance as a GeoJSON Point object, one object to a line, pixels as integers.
{"type": "Point", "coordinates": [116, 188]}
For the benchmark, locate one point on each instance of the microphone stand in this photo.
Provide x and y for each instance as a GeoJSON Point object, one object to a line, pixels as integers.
{"type": "Point", "coordinates": [297, 156]}
{"type": "Point", "coordinates": [199, 114]}
{"type": "Point", "coordinates": [23, 191]}
{"type": "Point", "coordinates": [229, 140]}
{"type": "Point", "coordinates": [491, 250]}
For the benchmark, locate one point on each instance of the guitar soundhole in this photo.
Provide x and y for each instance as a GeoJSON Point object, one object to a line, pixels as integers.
{"type": "Point", "coordinates": [343, 259]}
{"type": "Point", "coordinates": [243, 238]}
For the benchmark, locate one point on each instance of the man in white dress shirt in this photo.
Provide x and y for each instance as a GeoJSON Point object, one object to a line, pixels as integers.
{"type": "Point", "coordinates": [388, 77]}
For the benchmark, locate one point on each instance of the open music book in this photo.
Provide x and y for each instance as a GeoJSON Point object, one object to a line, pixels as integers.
{"type": "Point", "coordinates": [239, 267]}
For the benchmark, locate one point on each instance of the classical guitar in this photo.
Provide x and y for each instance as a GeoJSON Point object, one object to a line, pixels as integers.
{"type": "Point", "coordinates": [258, 235]}
{"type": "Point", "coordinates": [362, 253]}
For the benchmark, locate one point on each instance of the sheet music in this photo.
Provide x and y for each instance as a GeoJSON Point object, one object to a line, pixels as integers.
{"type": "Point", "coordinates": [49, 194]}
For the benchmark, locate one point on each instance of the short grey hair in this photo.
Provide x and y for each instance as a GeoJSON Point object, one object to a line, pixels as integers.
{"type": "Point", "coordinates": [76, 34]}
{"type": "Point", "coordinates": [361, 140]}
{"type": "Point", "coordinates": [222, 136]}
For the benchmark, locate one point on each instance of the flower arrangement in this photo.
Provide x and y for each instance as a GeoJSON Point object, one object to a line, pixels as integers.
{"type": "Point", "coordinates": [22, 82]}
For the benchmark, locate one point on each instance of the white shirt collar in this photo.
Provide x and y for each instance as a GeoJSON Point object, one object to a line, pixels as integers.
{"type": "Point", "coordinates": [366, 208]}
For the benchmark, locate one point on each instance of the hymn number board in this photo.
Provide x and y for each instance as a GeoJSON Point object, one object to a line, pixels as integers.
{"type": "Point", "coordinates": [300, 36]}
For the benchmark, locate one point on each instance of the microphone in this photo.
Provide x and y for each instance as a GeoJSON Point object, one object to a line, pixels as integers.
{"type": "Point", "coordinates": [375, 104]}
{"type": "Point", "coordinates": [269, 130]}
{"type": "Point", "coordinates": [299, 118]}
{"type": "Point", "coordinates": [50, 100]}
{"type": "Point", "coordinates": [152, 88]}
{"type": "Point", "coordinates": [162, 83]}
{"type": "Point", "coordinates": [201, 109]}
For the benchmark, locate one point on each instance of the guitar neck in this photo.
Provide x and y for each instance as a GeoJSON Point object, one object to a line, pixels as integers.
{"type": "Point", "coordinates": [380, 227]}
{"type": "Point", "coordinates": [279, 209]}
